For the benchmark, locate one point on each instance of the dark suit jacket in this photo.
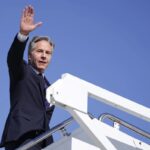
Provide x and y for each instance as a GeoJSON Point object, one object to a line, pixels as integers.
{"type": "Point", "coordinates": [27, 109]}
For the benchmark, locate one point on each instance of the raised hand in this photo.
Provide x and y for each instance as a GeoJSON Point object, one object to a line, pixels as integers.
{"type": "Point", "coordinates": [27, 21]}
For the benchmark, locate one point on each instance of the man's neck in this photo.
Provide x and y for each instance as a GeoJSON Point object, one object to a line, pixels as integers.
{"type": "Point", "coordinates": [36, 71]}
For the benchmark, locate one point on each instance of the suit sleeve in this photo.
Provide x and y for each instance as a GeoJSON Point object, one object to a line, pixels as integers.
{"type": "Point", "coordinates": [15, 57]}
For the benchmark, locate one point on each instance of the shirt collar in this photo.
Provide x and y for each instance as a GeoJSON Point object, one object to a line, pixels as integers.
{"type": "Point", "coordinates": [37, 72]}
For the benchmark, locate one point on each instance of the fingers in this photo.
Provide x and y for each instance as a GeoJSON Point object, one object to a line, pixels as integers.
{"type": "Point", "coordinates": [28, 15]}
{"type": "Point", "coordinates": [28, 11]}
{"type": "Point", "coordinates": [27, 20]}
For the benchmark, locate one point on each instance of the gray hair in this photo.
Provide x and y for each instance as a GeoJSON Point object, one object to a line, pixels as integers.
{"type": "Point", "coordinates": [36, 39]}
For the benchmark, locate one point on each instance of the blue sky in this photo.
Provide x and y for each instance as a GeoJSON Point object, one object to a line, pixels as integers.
{"type": "Point", "coordinates": [104, 42]}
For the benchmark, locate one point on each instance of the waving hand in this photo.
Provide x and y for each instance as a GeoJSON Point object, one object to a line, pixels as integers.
{"type": "Point", "coordinates": [27, 21]}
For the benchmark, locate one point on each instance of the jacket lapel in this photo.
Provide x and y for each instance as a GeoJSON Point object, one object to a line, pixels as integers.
{"type": "Point", "coordinates": [40, 84]}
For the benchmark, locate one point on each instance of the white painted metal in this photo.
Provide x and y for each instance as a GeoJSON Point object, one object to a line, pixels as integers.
{"type": "Point", "coordinates": [92, 129]}
{"type": "Point", "coordinates": [71, 93]}
{"type": "Point", "coordinates": [79, 140]}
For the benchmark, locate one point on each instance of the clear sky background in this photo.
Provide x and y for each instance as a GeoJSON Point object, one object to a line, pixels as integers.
{"type": "Point", "coordinates": [106, 42]}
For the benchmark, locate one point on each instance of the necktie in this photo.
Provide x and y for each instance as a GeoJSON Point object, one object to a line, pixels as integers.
{"type": "Point", "coordinates": [45, 85]}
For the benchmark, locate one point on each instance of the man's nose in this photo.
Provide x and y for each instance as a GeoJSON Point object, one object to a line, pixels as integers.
{"type": "Point", "coordinates": [44, 55]}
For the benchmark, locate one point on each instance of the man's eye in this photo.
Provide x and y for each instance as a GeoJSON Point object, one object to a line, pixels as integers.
{"type": "Point", "coordinates": [39, 50]}
{"type": "Point", "coordinates": [48, 52]}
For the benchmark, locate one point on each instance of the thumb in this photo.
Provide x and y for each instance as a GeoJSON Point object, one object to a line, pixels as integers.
{"type": "Point", "coordinates": [38, 24]}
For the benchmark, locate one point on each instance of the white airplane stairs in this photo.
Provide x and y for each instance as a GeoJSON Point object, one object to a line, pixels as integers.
{"type": "Point", "coordinates": [71, 94]}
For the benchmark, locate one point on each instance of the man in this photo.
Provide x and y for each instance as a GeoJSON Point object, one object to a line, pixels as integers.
{"type": "Point", "coordinates": [30, 113]}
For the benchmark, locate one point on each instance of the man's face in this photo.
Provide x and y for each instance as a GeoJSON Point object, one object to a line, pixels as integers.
{"type": "Point", "coordinates": [41, 55]}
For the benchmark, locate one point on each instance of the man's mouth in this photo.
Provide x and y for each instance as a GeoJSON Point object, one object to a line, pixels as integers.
{"type": "Point", "coordinates": [42, 62]}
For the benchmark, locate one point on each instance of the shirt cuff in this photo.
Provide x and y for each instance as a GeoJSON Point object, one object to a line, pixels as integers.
{"type": "Point", "coordinates": [21, 37]}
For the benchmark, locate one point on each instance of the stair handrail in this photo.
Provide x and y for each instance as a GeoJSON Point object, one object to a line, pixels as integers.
{"type": "Point", "coordinates": [124, 123]}
{"type": "Point", "coordinates": [47, 134]}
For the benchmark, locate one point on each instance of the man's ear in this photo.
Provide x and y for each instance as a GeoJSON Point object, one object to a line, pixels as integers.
{"type": "Point", "coordinates": [29, 57]}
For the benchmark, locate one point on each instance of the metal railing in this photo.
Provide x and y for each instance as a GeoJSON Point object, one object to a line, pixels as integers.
{"type": "Point", "coordinates": [59, 127]}
{"type": "Point", "coordinates": [125, 124]}
{"type": "Point", "coordinates": [62, 125]}
{"type": "Point", "coordinates": [47, 134]}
